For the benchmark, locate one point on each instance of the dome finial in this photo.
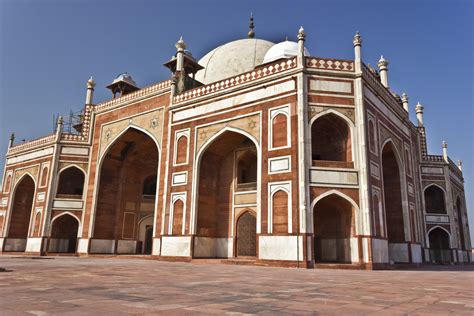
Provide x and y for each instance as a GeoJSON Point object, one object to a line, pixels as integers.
{"type": "Point", "coordinates": [251, 33]}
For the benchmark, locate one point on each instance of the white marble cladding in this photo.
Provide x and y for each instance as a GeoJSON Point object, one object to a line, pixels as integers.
{"type": "Point", "coordinates": [40, 197]}
{"type": "Point", "coordinates": [67, 204]}
{"type": "Point", "coordinates": [173, 246]}
{"type": "Point", "coordinates": [251, 96]}
{"type": "Point", "coordinates": [179, 178]}
{"type": "Point", "coordinates": [330, 86]}
{"type": "Point", "coordinates": [280, 248]}
{"type": "Point", "coordinates": [379, 250]}
{"type": "Point", "coordinates": [83, 245]}
{"type": "Point", "coordinates": [279, 164]}
{"type": "Point", "coordinates": [102, 246]}
{"type": "Point", "coordinates": [333, 177]}
{"type": "Point", "coordinates": [79, 151]}
{"type": "Point", "coordinates": [4, 202]}
{"type": "Point", "coordinates": [437, 218]}
{"type": "Point", "coordinates": [33, 155]}
{"type": "Point", "coordinates": [33, 244]}
{"type": "Point", "coordinates": [416, 253]}
{"type": "Point", "coordinates": [432, 170]}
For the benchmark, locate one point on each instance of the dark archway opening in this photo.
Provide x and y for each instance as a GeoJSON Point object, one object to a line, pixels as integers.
{"type": "Point", "coordinates": [71, 183]}
{"type": "Point", "coordinates": [227, 166]}
{"type": "Point", "coordinates": [20, 215]}
{"type": "Point", "coordinates": [127, 180]}
{"type": "Point", "coordinates": [331, 142]}
{"type": "Point", "coordinates": [393, 204]}
{"type": "Point", "coordinates": [434, 200]}
{"type": "Point", "coordinates": [333, 228]}
{"type": "Point", "coordinates": [64, 235]}
{"type": "Point", "coordinates": [439, 246]}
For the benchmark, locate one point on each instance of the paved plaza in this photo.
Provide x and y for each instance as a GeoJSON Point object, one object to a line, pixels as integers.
{"type": "Point", "coordinates": [111, 286]}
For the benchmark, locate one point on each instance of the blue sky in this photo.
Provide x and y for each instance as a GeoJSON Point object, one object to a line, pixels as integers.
{"type": "Point", "coordinates": [48, 49]}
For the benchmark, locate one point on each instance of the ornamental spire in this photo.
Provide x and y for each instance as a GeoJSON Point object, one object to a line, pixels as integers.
{"type": "Point", "coordinates": [251, 33]}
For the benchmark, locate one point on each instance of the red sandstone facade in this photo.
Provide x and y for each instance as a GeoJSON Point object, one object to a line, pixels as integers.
{"type": "Point", "coordinates": [297, 162]}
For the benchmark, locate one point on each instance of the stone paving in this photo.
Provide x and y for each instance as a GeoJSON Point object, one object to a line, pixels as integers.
{"type": "Point", "coordinates": [112, 286]}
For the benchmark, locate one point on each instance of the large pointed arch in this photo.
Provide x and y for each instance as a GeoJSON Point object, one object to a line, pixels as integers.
{"type": "Point", "coordinates": [394, 195]}
{"type": "Point", "coordinates": [20, 213]}
{"type": "Point", "coordinates": [334, 217]}
{"type": "Point", "coordinates": [132, 143]}
{"type": "Point", "coordinates": [212, 218]}
{"type": "Point", "coordinates": [197, 164]}
{"type": "Point", "coordinates": [348, 124]}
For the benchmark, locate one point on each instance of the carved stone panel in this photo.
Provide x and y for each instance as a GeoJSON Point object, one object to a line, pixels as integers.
{"type": "Point", "coordinates": [249, 124]}
{"type": "Point", "coordinates": [152, 122]}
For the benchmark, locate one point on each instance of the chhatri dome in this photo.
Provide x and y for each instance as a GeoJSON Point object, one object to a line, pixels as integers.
{"type": "Point", "coordinates": [286, 49]}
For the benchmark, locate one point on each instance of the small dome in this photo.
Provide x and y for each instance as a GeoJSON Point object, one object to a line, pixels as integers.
{"type": "Point", "coordinates": [232, 59]}
{"type": "Point", "coordinates": [126, 78]}
{"type": "Point", "coordinates": [286, 49]}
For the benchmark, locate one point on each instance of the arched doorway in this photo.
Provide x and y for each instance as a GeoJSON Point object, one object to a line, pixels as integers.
{"type": "Point", "coordinates": [398, 251]}
{"type": "Point", "coordinates": [331, 142]}
{"type": "Point", "coordinates": [439, 245]}
{"type": "Point", "coordinates": [334, 229]}
{"type": "Point", "coordinates": [20, 215]}
{"type": "Point", "coordinates": [145, 235]}
{"type": "Point", "coordinates": [434, 200]}
{"type": "Point", "coordinates": [247, 235]}
{"type": "Point", "coordinates": [127, 192]}
{"type": "Point", "coordinates": [64, 234]}
{"type": "Point", "coordinates": [227, 169]}
{"type": "Point", "coordinates": [70, 183]}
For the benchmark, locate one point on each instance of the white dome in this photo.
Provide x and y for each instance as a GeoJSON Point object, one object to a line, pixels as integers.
{"type": "Point", "coordinates": [284, 49]}
{"type": "Point", "coordinates": [232, 59]}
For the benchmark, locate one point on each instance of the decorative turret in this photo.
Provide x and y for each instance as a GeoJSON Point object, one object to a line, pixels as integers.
{"type": "Point", "coordinates": [445, 150]}
{"type": "Point", "coordinates": [419, 114]}
{"type": "Point", "coordinates": [301, 38]}
{"type": "Point", "coordinates": [460, 165]}
{"type": "Point", "coordinates": [182, 65]}
{"type": "Point", "coordinates": [357, 41]}
{"type": "Point", "coordinates": [122, 85]}
{"type": "Point", "coordinates": [383, 69]}
{"type": "Point", "coordinates": [59, 126]}
{"type": "Point", "coordinates": [90, 91]}
{"type": "Point", "coordinates": [12, 139]}
{"type": "Point", "coordinates": [405, 101]}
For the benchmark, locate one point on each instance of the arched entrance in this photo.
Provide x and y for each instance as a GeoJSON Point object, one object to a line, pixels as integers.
{"type": "Point", "coordinates": [227, 172]}
{"type": "Point", "coordinates": [331, 142]}
{"type": "Point", "coordinates": [71, 183]}
{"type": "Point", "coordinates": [145, 235]}
{"type": "Point", "coordinates": [247, 235]}
{"type": "Point", "coordinates": [64, 234]}
{"type": "Point", "coordinates": [439, 246]}
{"type": "Point", "coordinates": [434, 200]}
{"type": "Point", "coordinates": [20, 215]}
{"type": "Point", "coordinates": [127, 193]}
{"type": "Point", "coordinates": [334, 229]}
{"type": "Point", "coordinates": [398, 251]}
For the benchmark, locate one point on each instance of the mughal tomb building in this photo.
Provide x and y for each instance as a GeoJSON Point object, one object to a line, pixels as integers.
{"type": "Point", "coordinates": [258, 151]}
